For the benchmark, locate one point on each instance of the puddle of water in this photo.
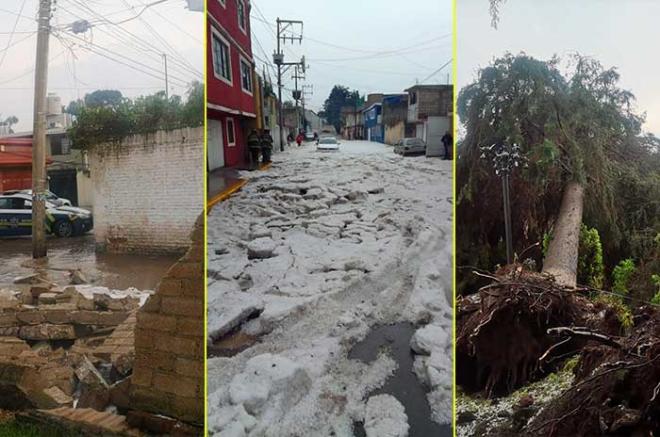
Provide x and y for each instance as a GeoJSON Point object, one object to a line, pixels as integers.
{"type": "Point", "coordinates": [232, 344]}
{"type": "Point", "coordinates": [117, 271]}
{"type": "Point", "coordinates": [403, 385]}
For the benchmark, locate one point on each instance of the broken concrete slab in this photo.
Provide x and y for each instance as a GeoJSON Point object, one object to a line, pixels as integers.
{"type": "Point", "coordinates": [57, 397]}
{"type": "Point", "coordinates": [48, 298]}
{"type": "Point", "coordinates": [46, 331]}
{"type": "Point", "coordinates": [76, 277]}
{"type": "Point", "coordinates": [34, 278]}
{"type": "Point", "coordinates": [81, 421]}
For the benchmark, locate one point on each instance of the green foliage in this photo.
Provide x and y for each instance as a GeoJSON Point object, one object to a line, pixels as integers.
{"type": "Point", "coordinates": [339, 97]}
{"type": "Point", "coordinates": [591, 270]}
{"type": "Point", "coordinates": [621, 275]}
{"type": "Point", "coordinates": [15, 429]}
{"type": "Point", "coordinates": [107, 117]}
{"type": "Point", "coordinates": [573, 124]}
{"type": "Point", "coordinates": [622, 311]}
{"type": "Point", "coordinates": [656, 282]}
{"type": "Point", "coordinates": [9, 122]}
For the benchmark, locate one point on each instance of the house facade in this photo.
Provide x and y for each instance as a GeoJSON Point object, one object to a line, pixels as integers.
{"type": "Point", "coordinates": [395, 114]}
{"type": "Point", "coordinates": [373, 123]}
{"type": "Point", "coordinates": [430, 110]}
{"type": "Point", "coordinates": [230, 78]}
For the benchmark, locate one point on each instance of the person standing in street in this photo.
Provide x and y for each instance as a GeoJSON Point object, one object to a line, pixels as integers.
{"type": "Point", "coordinates": [299, 139]}
{"type": "Point", "coordinates": [266, 146]}
{"type": "Point", "coordinates": [448, 142]}
{"type": "Point", "coordinates": [254, 145]}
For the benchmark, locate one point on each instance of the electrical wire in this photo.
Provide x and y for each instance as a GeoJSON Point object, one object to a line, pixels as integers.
{"type": "Point", "coordinates": [437, 71]}
{"type": "Point", "coordinates": [130, 39]}
{"type": "Point", "coordinates": [11, 35]}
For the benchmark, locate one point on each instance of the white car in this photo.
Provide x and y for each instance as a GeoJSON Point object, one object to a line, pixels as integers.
{"type": "Point", "coordinates": [327, 144]}
{"type": "Point", "coordinates": [410, 146]}
{"type": "Point", "coordinates": [50, 196]}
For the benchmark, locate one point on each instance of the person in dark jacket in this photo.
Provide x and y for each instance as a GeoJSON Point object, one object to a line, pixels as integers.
{"type": "Point", "coordinates": [448, 142]}
{"type": "Point", "coordinates": [254, 145]}
{"type": "Point", "coordinates": [266, 146]}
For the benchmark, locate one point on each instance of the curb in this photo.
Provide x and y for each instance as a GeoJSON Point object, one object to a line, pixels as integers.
{"type": "Point", "coordinates": [210, 203]}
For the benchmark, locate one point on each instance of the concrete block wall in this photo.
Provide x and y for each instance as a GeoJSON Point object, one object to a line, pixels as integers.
{"type": "Point", "coordinates": [147, 191]}
{"type": "Point", "coordinates": [168, 374]}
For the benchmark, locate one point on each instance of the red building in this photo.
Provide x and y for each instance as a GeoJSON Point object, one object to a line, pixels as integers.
{"type": "Point", "coordinates": [15, 164]}
{"type": "Point", "coordinates": [231, 102]}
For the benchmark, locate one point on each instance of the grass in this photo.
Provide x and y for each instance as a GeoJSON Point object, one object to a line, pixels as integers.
{"type": "Point", "coordinates": [15, 429]}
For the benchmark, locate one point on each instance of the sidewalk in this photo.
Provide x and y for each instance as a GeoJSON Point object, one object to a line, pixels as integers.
{"type": "Point", "coordinates": [224, 182]}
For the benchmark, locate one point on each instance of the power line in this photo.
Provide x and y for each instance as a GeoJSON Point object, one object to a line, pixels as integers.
{"type": "Point", "coordinates": [97, 49]}
{"type": "Point", "coordinates": [18, 42]}
{"type": "Point", "coordinates": [11, 35]}
{"type": "Point", "coordinates": [131, 39]}
{"type": "Point", "coordinates": [18, 15]}
{"type": "Point", "coordinates": [437, 71]}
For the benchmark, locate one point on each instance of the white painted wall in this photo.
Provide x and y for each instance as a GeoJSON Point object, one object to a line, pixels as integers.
{"type": "Point", "coordinates": [148, 191]}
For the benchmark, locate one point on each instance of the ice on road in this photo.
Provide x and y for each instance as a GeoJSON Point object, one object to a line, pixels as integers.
{"type": "Point", "coordinates": [311, 254]}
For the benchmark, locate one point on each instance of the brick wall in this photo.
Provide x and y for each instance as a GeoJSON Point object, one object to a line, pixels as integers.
{"type": "Point", "coordinates": [148, 191]}
{"type": "Point", "coordinates": [168, 374]}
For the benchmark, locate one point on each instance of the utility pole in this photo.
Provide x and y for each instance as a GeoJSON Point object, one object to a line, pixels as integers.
{"type": "Point", "coordinates": [505, 158]}
{"type": "Point", "coordinates": [306, 93]}
{"type": "Point", "coordinates": [297, 93]}
{"type": "Point", "coordinates": [167, 86]}
{"type": "Point", "coordinates": [39, 248]}
{"type": "Point", "coordinates": [278, 57]}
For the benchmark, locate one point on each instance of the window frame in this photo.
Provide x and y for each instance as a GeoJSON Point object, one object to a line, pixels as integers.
{"type": "Point", "coordinates": [243, 61]}
{"type": "Point", "coordinates": [242, 18]}
{"type": "Point", "coordinates": [222, 40]}
{"type": "Point", "coordinates": [232, 130]}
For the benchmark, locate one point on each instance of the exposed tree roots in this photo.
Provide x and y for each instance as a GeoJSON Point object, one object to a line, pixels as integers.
{"type": "Point", "coordinates": [523, 325]}
{"type": "Point", "coordinates": [502, 331]}
{"type": "Point", "coordinates": [616, 391]}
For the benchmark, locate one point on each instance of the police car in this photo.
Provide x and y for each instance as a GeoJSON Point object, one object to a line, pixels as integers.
{"type": "Point", "coordinates": [63, 221]}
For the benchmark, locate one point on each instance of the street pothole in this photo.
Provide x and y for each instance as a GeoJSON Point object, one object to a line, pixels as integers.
{"type": "Point", "coordinates": [403, 384]}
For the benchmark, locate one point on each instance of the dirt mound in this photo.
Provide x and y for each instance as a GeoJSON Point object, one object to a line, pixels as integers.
{"type": "Point", "coordinates": [502, 330]}
{"type": "Point", "coordinates": [616, 390]}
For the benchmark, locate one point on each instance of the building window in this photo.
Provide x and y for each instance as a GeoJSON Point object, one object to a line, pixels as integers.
{"type": "Point", "coordinates": [246, 76]}
{"type": "Point", "coordinates": [231, 133]}
{"type": "Point", "coordinates": [221, 59]}
{"type": "Point", "coordinates": [413, 98]}
{"type": "Point", "coordinates": [241, 15]}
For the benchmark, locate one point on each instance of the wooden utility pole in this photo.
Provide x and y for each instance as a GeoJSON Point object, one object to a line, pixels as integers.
{"type": "Point", "coordinates": [167, 85]}
{"type": "Point", "coordinates": [278, 58]}
{"type": "Point", "coordinates": [39, 248]}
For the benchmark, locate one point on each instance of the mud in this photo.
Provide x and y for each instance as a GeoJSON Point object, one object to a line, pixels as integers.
{"type": "Point", "coordinates": [115, 271]}
{"type": "Point", "coordinates": [403, 385]}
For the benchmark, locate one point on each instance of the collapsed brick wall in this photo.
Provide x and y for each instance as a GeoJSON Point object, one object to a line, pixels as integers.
{"type": "Point", "coordinates": [147, 191]}
{"type": "Point", "coordinates": [168, 374]}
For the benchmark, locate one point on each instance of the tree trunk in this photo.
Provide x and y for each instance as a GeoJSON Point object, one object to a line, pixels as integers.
{"type": "Point", "coordinates": [562, 257]}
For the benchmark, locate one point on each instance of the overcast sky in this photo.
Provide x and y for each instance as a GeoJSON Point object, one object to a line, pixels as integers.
{"type": "Point", "coordinates": [164, 28]}
{"type": "Point", "coordinates": [624, 34]}
{"type": "Point", "coordinates": [362, 30]}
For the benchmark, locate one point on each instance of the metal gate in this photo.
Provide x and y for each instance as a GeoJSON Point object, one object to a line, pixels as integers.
{"type": "Point", "coordinates": [64, 184]}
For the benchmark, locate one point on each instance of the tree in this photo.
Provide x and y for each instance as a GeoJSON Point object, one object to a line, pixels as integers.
{"type": "Point", "coordinates": [9, 122]}
{"type": "Point", "coordinates": [108, 117]}
{"type": "Point", "coordinates": [575, 129]}
{"type": "Point", "coordinates": [104, 98]}
{"type": "Point", "coordinates": [339, 97]}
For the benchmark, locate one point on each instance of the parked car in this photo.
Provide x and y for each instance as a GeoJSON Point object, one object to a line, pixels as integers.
{"type": "Point", "coordinates": [63, 221]}
{"type": "Point", "coordinates": [408, 146]}
{"type": "Point", "coordinates": [309, 136]}
{"type": "Point", "coordinates": [50, 196]}
{"type": "Point", "coordinates": [327, 144]}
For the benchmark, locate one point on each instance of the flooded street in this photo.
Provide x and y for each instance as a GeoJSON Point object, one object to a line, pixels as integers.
{"type": "Point", "coordinates": [115, 271]}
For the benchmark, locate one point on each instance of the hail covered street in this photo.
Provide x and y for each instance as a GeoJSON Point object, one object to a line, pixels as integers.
{"type": "Point", "coordinates": [305, 261]}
